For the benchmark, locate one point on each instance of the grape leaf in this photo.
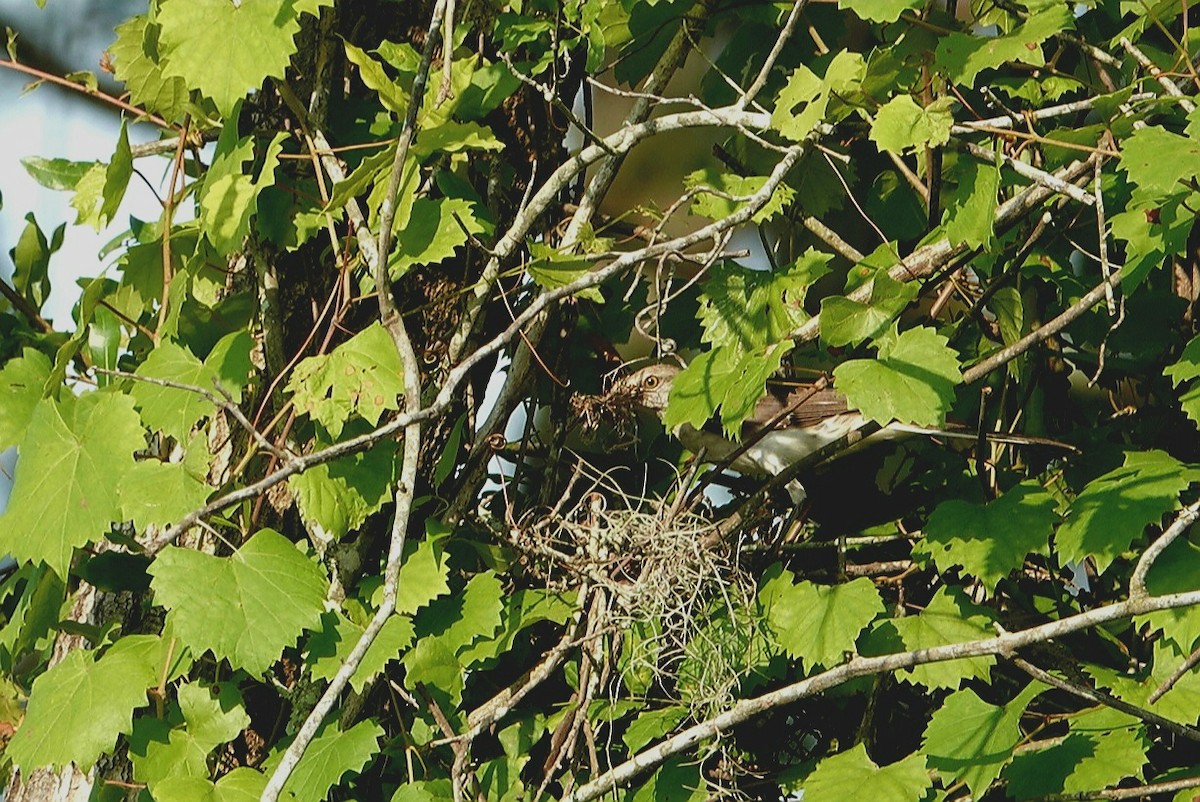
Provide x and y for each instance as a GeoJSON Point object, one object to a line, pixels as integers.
{"type": "Point", "coordinates": [1114, 510]}
{"type": "Point", "coordinates": [100, 190]}
{"type": "Point", "coordinates": [1102, 748]}
{"type": "Point", "coordinates": [726, 190]}
{"type": "Point", "coordinates": [948, 618]}
{"type": "Point", "coordinates": [901, 125]}
{"type": "Point", "coordinates": [970, 740]}
{"type": "Point", "coordinates": [240, 785]}
{"type": "Point", "coordinates": [255, 40]}
{"type": "Point", "coordinates": [990, 540]}
{"type": "Point", "coordinates": [204, 721]}
{"type": "Point", "coordinates": [726, 379]}
{"type": "Point", "coordinates": [552, 269]}
{"type": "Point", "coordinates": [752, 309]}
{"type": "Point", "coordinates": [1142, 159]}
{"type": "Point", "coordinates": [853, 775]}
{"type": "Point", "coordinates": [849, 322]}
{"type": "Point", "coordinates": [246, 607]}
{"type": "Point", "coordinates": [136, 64]}
{"type": "Point", "coordinates": [79, 706]}
{"type": "Point", "coordinates": [912, 381]}
{"type": "Point", "coordinates": [328, 758]}
{"type": "Point", "coordinates": [362, 376]}
{"type": "Point", "coordinates": [329, 647]}
{"type": "Point", "coordinates": [963, 56]}
{"type": "Point", "coordinates": [423, 573]}
{"type": "Point", "coordinates": [880, 10]}
{"type": "Point", "coordinates": [971, 208]}
{"type": "Point", "coordinates": [73, 459]}
{"type": "Point", "coordinates": [337, 497]}
{"type": "Point", "coordinates": [230, 197]}
{"type": "Point", "coordinates": [175, 411]}
{"type": "Point", "coordinates": [159, 493]}
{"type": "Point", "coordinates": [21, 384]}
{"type": "Point", "coordinates": [435, 229]}
{"type": "Point", "coordinates": [820, 623]}
{"type": "Point", "coordinates": [805, 102]}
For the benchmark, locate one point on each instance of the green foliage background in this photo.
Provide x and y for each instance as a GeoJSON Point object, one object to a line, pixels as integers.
{"type": "Point", "coordinates": [265, 548]}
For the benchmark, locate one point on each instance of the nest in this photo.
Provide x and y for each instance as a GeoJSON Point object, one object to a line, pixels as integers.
{"type": "Point", "coordinates": [612, 411]}
{"type": "Point", "coordinates": [687, 612]}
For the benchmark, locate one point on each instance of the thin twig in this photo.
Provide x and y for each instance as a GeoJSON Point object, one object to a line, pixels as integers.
{"type": "Point", "coordinates": [1106, 699]}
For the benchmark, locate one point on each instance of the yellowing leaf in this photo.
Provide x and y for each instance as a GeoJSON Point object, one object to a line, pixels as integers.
{"type": "Point", "coordinates": [362, 377]}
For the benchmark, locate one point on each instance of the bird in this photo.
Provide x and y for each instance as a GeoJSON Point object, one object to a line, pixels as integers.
{"type": "Point", "coordinates": [788, 425]}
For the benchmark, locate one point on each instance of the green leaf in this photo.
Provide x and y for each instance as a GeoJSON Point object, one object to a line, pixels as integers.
{"type": "Point", "coordinates": [652, 725]}
{"type": "Point", "coordinates": [435, 229]}
{"type": "Point", "coordinates": [901, 125]}
{"type": "Point", "coordinates": [329, 758]}
{"type": "Point", "coordinates": [552, 269]}
{"type": "Point", "coordinates": [948, 618]}
{"type": "Point", "coordinates": [963, 56]}
{"type": "Point", "coordinates": [240, 785]}
{"type": "Point", "coordinates": [805, 102]}
{"type": "Point", "coordinates": [1102, 748]}
{"type": "Point", "coordinates": [853, 775]}
{"type": "Point", "coordinates": [21, 383]}
{"type": "Point", "coordinates": [31, 262]}
{"type": "Point", "coordinates": [1113, 511]}
{"type": "Point", "coordinates": [820, 623]}
{"type": "Point", "coordinates": [726, 193]}
{"type": "Point", "coordinates": [880, 10]}
{"type": "Point", "coordinates": [752, 309]}
{"type": "Point", "coordinates": [230, 197]}
{"type": "Point", "coordinates": [912, 381]}
{"type": "Point", "coordinates": [73, 459]}
{"type": "Point", "coordinates": [159, 751]}
{"type": "Point", "coordinates": [329, 647]}
{"type": "Point", "coordinates": [99, 191]}
{"type": "Point", "coordinates": [78, 707]}
{"type": "Point", "coordinates": [1185, 369]}
{"type": "Point", "coordinates": [60, 174]}
{"type": "Point", "coordinates": [1177, 570]}
{"type": "Point", "coordinates": [990, 540]}
{"type": "Point", "coordinates": [971, 209]}
{"type": "Point", "coordinates": [337, 497]}
{"type": "Point", "coordinates": [255, 38]}
{"type": "Point", "coordinates": [724, 379]}
{"type": "Point", "coordinates": [159, 493]}
{"type": "Point", "coordinates": [391, 94]}
{"type": "Point", "coordinates": [848, 322]}
{"type": "Point", "coordinates": [362, 376]}
{"type": "Point", "coordinates": [136, 63]}
{"type": "Point", "coordinates": [456, 137]}
{"type": "Point", "coordinates": [422, 574]}
{"type": "Point", "coordinates": [1142, 159]}
{"type": "Point", "coordinates": [969, 740]}
{"type": "Point", "coordinates": [175, 412]}
{"type": "Point", "coordinates": [522, 608]}
{"type": "Point", "coordinates": [246, 607]}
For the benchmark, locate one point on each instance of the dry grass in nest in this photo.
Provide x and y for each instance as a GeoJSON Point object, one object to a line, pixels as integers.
{"type": "Point", "coordinates": [613, 410]}
{"type": "Point", "coordinates": [686, 613]}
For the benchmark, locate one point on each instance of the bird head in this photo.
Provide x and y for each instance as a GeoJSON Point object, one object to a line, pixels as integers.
{"type": "Point", "coordinates": [646, 388]}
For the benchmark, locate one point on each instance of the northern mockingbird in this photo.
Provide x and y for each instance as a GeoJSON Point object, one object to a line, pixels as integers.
{"type": "Point", "coordinates": [799, 423]}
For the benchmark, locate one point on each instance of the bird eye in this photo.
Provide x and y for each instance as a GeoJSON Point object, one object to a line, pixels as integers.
{"type": "Point", "coordinates": [650, 382]}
